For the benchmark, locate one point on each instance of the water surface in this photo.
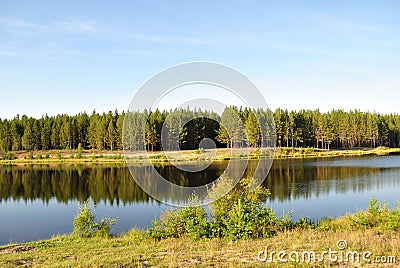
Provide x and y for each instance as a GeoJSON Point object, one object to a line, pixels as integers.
{"type": "Point", "coordinates": [39, 201]}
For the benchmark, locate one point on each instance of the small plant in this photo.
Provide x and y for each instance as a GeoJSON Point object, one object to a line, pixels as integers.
{"type": "Point", "coordinates": [9, 156]}
{"type": "Point", "coordinates": [47, 156]}
{"type": "Point", "coordinates": [59, 155]}
{"type": "Point", "coordinates": [38, 156]}
{"type": "Point", "coordinates": [79, 155]}
{"type": "Point", "coordinates": [80, 149]}
{"type": "Point", "coordinates": [84, 222]}
{"type": "Point", "coordinates": [267, 152]}
{"type": "Point", "coordinates": [86, 226]}
{"type": "Point", "coordinates": [30, 155]}
{"type": "Point", "coordinates": [371, 217]}
{"type": "Point", "coordinates": [305, 223]}
{"type": "Point", "coordinates": [309, 150]}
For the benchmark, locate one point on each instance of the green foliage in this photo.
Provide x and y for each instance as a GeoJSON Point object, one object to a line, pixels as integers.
{"type": "Point", "coordinates": [190, 222]}
{"type": "Point", "coordinates": [240, 214]}
{"type": "Point", "coordinates": [9, 156]}
{"type": "Point", "coordinates": [371, 217]}
{"type": "Point", "coordinates": [376, 216]}
{"type": "Point", "coordinates": [304, 128]}
{"type": "Point", "coordinates": [305, 223]}
{"type": "Point", "coordinates": [80, 148]}
{"type": "Point", "coordinates": [38, 156]}
{"type": "Point", "coordinates": [103, 228]}
{"type": "Point", "coordinates": [59, 155]}
{"type": "Point", "coordinates": [86, 226]}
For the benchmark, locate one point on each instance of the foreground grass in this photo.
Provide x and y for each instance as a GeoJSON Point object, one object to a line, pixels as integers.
{"type": "Point", "coordinates": [374, 232]}
{"type": "Point", "coordinates": [90, 156]}
{"type": "Point", "coordinates": [135, 250]}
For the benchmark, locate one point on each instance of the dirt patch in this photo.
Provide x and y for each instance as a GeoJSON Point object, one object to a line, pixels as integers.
{"type": "Point", "coordinates": [16, 249]}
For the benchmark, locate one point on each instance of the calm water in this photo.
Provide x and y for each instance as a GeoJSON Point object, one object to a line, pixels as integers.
{"type": "Point", "coordinates": [39, 201]}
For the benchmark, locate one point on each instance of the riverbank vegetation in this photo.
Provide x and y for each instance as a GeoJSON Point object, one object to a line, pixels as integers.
{"type": "Point", "coordinates": [233, 233]}
{"type": "Point", "coordinates": [106, 156]}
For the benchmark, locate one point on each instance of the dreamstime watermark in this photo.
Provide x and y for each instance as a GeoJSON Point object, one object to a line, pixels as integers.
{"type": "Point", "coordinates": [168, 82]}
{"type": "Point", "coordinates": [337, 255]}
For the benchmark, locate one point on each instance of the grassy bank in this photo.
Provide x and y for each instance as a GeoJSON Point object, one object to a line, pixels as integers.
{"type": "Point", "coordinates": [91, 156]}
{"type": "Point", "coordinates": [135, 249]}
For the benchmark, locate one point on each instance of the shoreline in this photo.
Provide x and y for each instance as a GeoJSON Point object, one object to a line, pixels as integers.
{"type": "Point", "coordinates": [117, 157]}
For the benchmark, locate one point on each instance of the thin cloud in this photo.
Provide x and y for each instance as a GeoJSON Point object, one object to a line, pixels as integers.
{"type": "Point", "coordinates": [25, 28]}
{"type": "Point", "coordinates": [17, 23]}
{"type": "Point", "coordinates": [156, 38]}
{"type": "Point", "coordinates": [78, 26]}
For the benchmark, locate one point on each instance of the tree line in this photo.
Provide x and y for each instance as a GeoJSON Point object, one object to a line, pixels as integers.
{"type": "Point", "coordinates": [103, 131]}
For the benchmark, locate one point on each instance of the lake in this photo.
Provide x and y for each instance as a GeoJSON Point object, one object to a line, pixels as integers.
{"type": "Point", "coordinates": [38, 201]}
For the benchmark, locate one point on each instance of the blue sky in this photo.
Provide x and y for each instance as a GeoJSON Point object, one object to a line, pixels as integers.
{"type": "Point", "coordinates": [73, 56]}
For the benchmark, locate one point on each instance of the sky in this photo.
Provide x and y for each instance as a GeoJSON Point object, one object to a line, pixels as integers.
{"type": "Point", "coordinates": [72, 56]}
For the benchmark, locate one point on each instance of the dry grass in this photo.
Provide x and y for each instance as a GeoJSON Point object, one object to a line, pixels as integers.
{"type": "Point", "coordinates": [135, 250]}
{"type": "Point", "coordinates": [90, 156]}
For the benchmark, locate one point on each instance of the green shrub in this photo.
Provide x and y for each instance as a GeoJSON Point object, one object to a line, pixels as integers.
{"type": "Point", "coordinates": [47, 156]}
{"type": "Point", "coordinates": [9, 156]}
{"type": "Point", "coordinates": [30, 155]}
{"type": "Point", "coordinates": [309, 150]}
{"type": "Point", "coordinates": [79, 155]}
{"type": "Point", "coordinates": [393, 219]}
{"type": "Point", "coordinates": [190, 222]}
{"type": "Point", "coordinates": [305, 223]}
{"type": "Point", "coordinates": [371, 217]}
{"type": "Point", "coordinates": [103, 228]}
{"type": "Point", "coordinates": [377, 216]}
{"type": "Point", "coordinates": [86, 226]}
{"type": "Point", "coordinates": [84, 222]}
{"type": "Point", "coordinates": [241, 213]}
{"type": "Point", "coordinates": [38, 156]}
{"type": "Point", "coordinates": [80, 149]}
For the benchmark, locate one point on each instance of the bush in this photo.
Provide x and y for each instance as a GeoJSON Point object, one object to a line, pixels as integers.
{"type": "Point", "coordinates": [309, 150]}
{"type": "Point", "coordinates": [47, 156]}
{"type": "Point", "coordinates": [39, 156]}
{"type": "Point", "coordinates": [9, 156]}
{"type": "Point", "coordinates": [371, 217]}
{"type": "Point", "coordinates": [267, 152]}
{"type": "Point", "coordinates": [86, 226]}
{"type": "Point", "coordinates": [241, 213]}
{"type": "Point", "coordinates": [378, 216]}
{"type": "Point", "coordinates": [190, 222]}
{"type": "Point", "coordinates": [80, 149]}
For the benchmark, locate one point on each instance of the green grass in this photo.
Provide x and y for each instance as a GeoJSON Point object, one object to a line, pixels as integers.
{"type": "Point", "coordinates": [136, 250]}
